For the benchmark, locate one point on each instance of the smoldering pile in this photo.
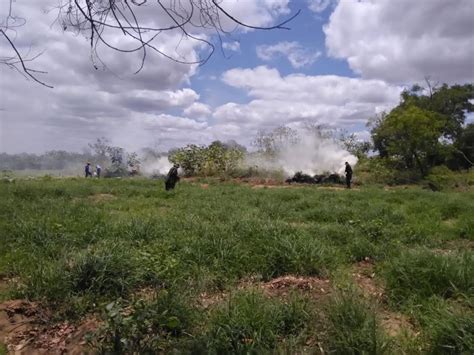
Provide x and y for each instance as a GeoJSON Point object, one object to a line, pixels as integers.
{"type": "Point", "coordinates": [302, 178]}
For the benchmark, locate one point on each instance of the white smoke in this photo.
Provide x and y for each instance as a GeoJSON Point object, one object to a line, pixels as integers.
{"type": "Point", "coordinates": [310, 154]}
{"type": "Point", "coordinates": [156, 166]}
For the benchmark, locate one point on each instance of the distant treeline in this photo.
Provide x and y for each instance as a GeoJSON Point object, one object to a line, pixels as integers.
{"type": "Point", "coordinates": [52, 160]}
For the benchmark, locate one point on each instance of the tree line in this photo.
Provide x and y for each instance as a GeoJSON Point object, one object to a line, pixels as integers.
{"type": "Point", "coordinates": [426, 129]}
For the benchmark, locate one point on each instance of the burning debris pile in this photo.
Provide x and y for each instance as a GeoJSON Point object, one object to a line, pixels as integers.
{"type": "Point", "coordinates": [302, 178]}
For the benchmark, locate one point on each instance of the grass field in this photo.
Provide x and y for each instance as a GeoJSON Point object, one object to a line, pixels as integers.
{"type": "Point", "coordinates": [227, 268]}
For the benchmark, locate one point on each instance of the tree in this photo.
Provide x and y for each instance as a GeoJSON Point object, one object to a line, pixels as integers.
{"type": "Point", "coordinates": [217, 158]}
{"type": "Point", "coordinates": [410, 134]}
{"type": "Point", "coordinates": [102, 21]}
{"type": "Point", "coordinates": [17, 61]}
{"type": "Point", "coordinates": [464, 147]}
{"type": "Point", "coordinates": [270, 143]}
{"type": "Point", "coordinates": [354, 145]}
{"type": "Point", "coordinates": [453, 102]}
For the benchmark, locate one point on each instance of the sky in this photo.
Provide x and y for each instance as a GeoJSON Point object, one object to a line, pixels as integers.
{"type": "Point", "coordinates": [341, 63]}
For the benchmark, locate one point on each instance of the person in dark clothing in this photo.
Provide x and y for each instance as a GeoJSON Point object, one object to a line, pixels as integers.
{"type": "Point", "coordinates": [98, 170]}
{"type": "Point", "coordinates": [172, 178]}
{"type": "Point", "coordinates": [348, 175]}
{"type": "Point", "coordinates": [87, 170]}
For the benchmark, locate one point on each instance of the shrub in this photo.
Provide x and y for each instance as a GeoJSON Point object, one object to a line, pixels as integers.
{"type": "Point", "coordinates": [144, 327]}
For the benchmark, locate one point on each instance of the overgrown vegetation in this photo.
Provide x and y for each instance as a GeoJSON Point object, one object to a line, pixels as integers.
{"type": "Point", "coordinates": [142, 259]}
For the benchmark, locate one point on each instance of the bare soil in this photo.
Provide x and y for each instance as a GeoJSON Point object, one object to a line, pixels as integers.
{"type": "Point", "coordinates": [394, 323]}
{"type": "Point", "coordinates": [25, 329]}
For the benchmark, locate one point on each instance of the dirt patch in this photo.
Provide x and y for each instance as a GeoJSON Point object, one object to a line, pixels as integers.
{"type": "Point", "coordinates": [451, 222]}
{"type": "Point", "coordinates": [453, 247]}
{"type": "Point", "coordinates": [25, 329]}
{"type": "Point", "coordinates": [264, 186]}
{"type": "Point", "coordinates": [147, 294]}
{"type": "Point", "coordinates": [207, 300]}
{"type": "Point", "coordinates": [204, 186]}
{"type": "Point", "coordinates": [363, 274]}
{"type": "Point", "coordinates": [395, 323]}
{"type": "Point", "coordinates": [283, 285]}
{"type": "Point", "coordinates": [102, 197]}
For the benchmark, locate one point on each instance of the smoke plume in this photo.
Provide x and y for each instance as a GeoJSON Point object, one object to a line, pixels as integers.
{"type": "Point", "coordinates": [310, 154]}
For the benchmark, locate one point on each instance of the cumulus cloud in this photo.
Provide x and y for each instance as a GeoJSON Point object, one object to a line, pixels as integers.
{"type": "Point", "coordinates": [198, 110]}
{"type": "Point", "coordinates": [86, 103]}
{"type": "Point", "coordinates": [296, 54]}
{"type": "Point", "coordinates": [319, 5]}
{"type": "Point", "coordinates": [231, 46]}
{"type": "Point", "coordinates": [155, 101]}
{"type": "Point", "coordinates": [404, 41]}
{"type": "Point", "coordinates": [327, 99]}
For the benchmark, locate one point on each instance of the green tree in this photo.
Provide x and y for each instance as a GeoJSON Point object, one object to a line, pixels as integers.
{"type": "Point", "coordinates": [410, 134]}
{"type": "Point", "coordinates": [453, 102]}
{"type": "Point", "coordinates": [464, 147]}
{"type": "Point", "coordinates": [215, 159]}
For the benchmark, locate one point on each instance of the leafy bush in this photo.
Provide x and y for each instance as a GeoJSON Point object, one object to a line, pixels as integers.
{"type": "Point", "coordinates": [144, 327]}
{"type": "Point", "coordinates": [441, 178]}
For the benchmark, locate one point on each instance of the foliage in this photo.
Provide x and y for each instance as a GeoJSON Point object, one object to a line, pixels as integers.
{"type": "Point", "coordinates": [143, 326]}
{"type": "Point", "coordinates": [451, 102]}
{"type": "Point", "coordinates": [215, 159]}
{"type": "Point", "coordinates": [464, 149]}
{"type": "Point", "coordinates": [354, 145]}
{"type": "Point", "coordinates": [427, 128]}
{"type": "Point", "coordinates": [410, 134]}
{"type": "Point", "coordinates": [119, 162]}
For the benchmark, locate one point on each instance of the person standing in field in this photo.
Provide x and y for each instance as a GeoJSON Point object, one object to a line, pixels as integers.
{"type": "Point", "coordinates": [98, 170]}
{"type": "Point", "coordinates": [348, 175]}
{"type": "Point", "coordinates": [172, 178]}
{"type": "Point", "coordinates": [87, 170]}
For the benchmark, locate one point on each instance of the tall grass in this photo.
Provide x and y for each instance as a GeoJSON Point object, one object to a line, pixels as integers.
{"type": "Point", "coordinates": [422, 273]}
{"type": "Point", "coordinates": [251, 323]}
{"type": "Point", "coordinates": [78, 245]}
{"type": "Point", "coordinates": [353, 326]}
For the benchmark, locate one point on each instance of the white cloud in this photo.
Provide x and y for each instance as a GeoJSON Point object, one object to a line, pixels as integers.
{"type": "Point", "coordinates": [296, 54]}
{"type": "Point", "coordinates": [319, 5]}
{"type": "Point", "coordinates": [327, 99]}
{"type": "Point", "coordinates": [198, 110]}
{"type": "Point", "coordinates": [231, 46]}
{"type": "Point", "coordinates": [114, 102]}
{"type": "Point", "coordinates": [404, 41]}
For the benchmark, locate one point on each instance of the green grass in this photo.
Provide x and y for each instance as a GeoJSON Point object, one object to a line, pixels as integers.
{"type": "Point", "coordinates": [78, 245]}
{"type": "Point", "coordinates": [251, 323]}
{"type": "Point", "coordinates": [353, 326]}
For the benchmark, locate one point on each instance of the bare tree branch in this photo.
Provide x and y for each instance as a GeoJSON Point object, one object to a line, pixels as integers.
{"type": "Point", "coordinates": [101, 20]}
{"type": "Point", "coordinates": [18, 61]}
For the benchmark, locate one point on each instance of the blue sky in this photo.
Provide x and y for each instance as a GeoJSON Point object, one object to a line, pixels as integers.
{"type": "Point", "coordinates": [341, 63]}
